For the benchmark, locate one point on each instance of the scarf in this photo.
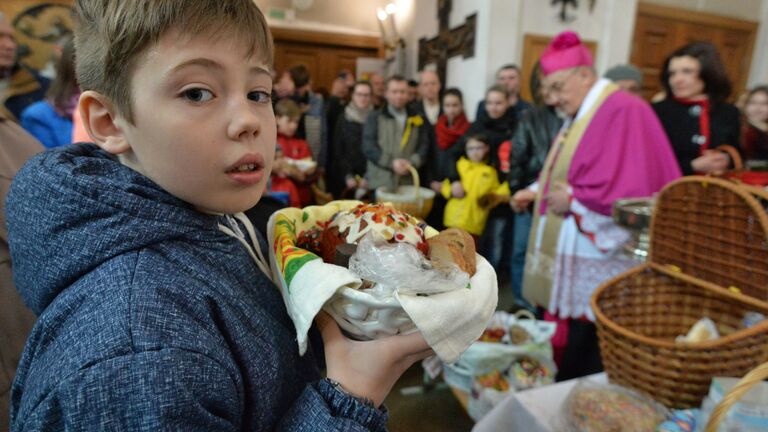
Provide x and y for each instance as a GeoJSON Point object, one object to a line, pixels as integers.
{"type": "Point", "coordinates": [447, 135]}
{"type": "Point", "coordinates": [704, 132]}
{"type": "Point", "coordinates": [356, 114]}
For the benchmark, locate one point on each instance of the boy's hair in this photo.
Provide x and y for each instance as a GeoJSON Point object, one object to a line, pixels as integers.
{"type": "Point", "coordinates": [299, 75]}
{"type": "Point", "coordinates": [498, 88]}
{"type": "Point", "coordinates": [111, 36]}
{"type": "Point", "coordinates": [453, 91]}
{"type": "Point", "coordinates": [287, 108]}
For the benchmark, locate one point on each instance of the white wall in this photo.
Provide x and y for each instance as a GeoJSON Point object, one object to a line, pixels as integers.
{"type": "Point", "coordinates": [501, 27]}
{"type": "Point", "coordinates": [743, 9]}
{"type": "Point", "coordinates": [758, 73]}
{"type": "Point", "coordinates": [340, 16]}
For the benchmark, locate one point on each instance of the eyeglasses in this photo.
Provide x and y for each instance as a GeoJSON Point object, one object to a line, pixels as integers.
{"type": "Point", "coordinates": [361, 94]}
{"type": "Point", "coordinates": [557, 86]}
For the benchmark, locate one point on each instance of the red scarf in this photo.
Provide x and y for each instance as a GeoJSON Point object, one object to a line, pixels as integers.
{"type": "Point", "coordinates": [447, 135]}
{"type": "Point", "coordinates": [703, 120]}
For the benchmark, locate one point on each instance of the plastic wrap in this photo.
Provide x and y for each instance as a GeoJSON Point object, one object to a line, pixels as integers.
{"type": "Point", "coordinates": [593, 407]}
{"type": "Point", "coordinates": [401, 267]}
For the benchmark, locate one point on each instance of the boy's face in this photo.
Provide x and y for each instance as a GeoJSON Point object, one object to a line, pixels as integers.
{"type": "Point", "coordinates": [476, 150]}
{"type": "Point", "coordinates": [287, 126]}
{"type": "Point", "coordinates": [203, 125]}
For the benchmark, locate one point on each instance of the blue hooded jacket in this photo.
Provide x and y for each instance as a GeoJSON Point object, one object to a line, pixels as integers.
{"type": "Point", "coordinates": [150, 317]}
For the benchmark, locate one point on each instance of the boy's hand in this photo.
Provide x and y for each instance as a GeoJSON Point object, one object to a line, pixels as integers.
{"type": "Point", "coordinates": [457, 191]}
{"type": "Point", "coordinates": [351, 183]}
{"type": "Point", "coordinates": [522, 199]}
{"type": "Point", "coordinates": [369, 368]}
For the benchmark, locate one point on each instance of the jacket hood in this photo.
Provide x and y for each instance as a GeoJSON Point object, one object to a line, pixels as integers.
{"type": "Point", "coordinates": [72, 209]}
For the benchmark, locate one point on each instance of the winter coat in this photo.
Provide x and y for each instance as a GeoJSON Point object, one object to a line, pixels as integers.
{"type": "Point", "coordinates": [382, 145]}
{"type": "Point", "coordinates": [149, 316]}
{"type": "Point", "coordinates": [478, 180]}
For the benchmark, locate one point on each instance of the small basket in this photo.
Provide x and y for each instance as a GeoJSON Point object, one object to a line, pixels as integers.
{"type": "Point", "coordinates": [414, 200]}
{"type": "Point", "coordinates": [708, 257]}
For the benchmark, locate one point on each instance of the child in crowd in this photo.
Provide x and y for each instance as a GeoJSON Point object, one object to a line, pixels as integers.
{"type": "Point", "coordinates": [471, 198]}
{"type": "Point", "coordinates": [154, 302]}
{"type": "Point", "coordinates": [294, 169]}
{"type": "Point", "coordinates": [50, 120]}
{"type": "Point", "coordinates": [450, 126]}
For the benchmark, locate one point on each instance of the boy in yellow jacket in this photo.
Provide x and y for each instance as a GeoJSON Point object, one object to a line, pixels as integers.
{"type": "Point", "coordinates": [477, 191]}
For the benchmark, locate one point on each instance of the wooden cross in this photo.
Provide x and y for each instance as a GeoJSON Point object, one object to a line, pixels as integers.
{"type": "Point", "coordinates": [448, 42]}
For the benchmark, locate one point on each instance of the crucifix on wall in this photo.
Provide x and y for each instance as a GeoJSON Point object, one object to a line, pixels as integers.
{"type": "Point", "coordinates": [448, 42]}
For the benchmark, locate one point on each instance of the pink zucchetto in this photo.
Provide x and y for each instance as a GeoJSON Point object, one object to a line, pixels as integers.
{"type": "Point", "coordinates": [564, 52]}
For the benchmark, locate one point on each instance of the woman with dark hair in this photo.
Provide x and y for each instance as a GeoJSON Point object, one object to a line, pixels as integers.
{"type": "Point", "coordinates": [695, 116]}
{"type": "Point", "coordinates": [346, 169]}
{"type": "Point", "coordinates": [50, 120]}
{"type": "Point", "coordinates": [755, 132]}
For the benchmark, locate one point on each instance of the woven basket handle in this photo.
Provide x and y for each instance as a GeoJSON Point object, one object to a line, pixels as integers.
{"type": "Point", "coordinates": [756, 376]}
{"type": "Point", "coordinates": [416, 181]}
{"type": "Point", "coordinates": [525, 313]}
{"type": "Point", "coordinates": [738, 164]}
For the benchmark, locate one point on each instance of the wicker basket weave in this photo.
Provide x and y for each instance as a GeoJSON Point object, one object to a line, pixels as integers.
{"type": "Point", "coordinates": [708, 257]}
{"type": "Point", "coordinates": [414, 200]}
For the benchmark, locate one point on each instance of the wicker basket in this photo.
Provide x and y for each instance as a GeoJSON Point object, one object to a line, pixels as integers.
{"type": "Point", "coordinates": [708, 257]}
{"type": "Point", "coordinates": [751, 379]}
{"type": "Point", "coordinates": [414, 200]}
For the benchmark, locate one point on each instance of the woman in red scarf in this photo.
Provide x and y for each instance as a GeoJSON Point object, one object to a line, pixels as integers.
{"type": "Point", "coordinates": [695, 115]}
{"type": "Point", "coordinates": [450, 126]}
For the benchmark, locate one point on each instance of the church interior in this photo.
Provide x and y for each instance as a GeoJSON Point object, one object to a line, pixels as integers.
{"type": "Point", "coordinates": [564, 202]}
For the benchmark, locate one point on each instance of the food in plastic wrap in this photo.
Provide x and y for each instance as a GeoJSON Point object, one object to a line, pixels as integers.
{"type": "Point", "coordinates": [494, 380]}
{"type": "Point", "coordinates": [704, 330]}
{"type": "Point", "coordinates": [349, 227]}
{"type": "Point", "coordinates": [529, 371]}
{"type": "Point", "coordinates": [493, 335]}
{"type": "Point", "coordinates": [400, 267]}
{"type": "Point", "coordinates": [595, 407]}
{"type": "Point", "coordinates": [518, 335]}
{"type": "Point", "coordinates": [453, 247]}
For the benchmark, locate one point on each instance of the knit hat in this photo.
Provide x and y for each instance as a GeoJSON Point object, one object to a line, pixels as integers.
{"type": "Point", "coordinates": [624, 72]}
{"type": "Point", "coordinates": [564, 52]}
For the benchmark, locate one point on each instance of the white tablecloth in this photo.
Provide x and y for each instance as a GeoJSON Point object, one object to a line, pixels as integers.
{"type": "Point", "coordinates": [532, 410]}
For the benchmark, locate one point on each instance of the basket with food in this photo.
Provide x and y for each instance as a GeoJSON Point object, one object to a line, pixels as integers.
{"type": "Point", "coordinates": [412, 199]}
{"type": "Point", "coordinates": [668, 327]}
{"type": "Point", "coordinates": [378, 272]}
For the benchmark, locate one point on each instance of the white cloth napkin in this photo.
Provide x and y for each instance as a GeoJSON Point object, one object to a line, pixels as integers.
{"type": "Point", "coordinates": [449, 321]}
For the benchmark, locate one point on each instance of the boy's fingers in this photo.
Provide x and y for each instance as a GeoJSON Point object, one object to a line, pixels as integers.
{"type": "Point", "coordinates": [329, 330]}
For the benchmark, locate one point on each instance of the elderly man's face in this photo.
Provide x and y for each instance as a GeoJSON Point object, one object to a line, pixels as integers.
{"type": "Point", "coordinates": [7, 45]}
{"type": "Point", "coordinates": [569, 87]}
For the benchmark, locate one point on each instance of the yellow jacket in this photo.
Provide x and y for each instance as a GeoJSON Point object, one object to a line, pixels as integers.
{"type": "Point", "coordinates": [478, 180]}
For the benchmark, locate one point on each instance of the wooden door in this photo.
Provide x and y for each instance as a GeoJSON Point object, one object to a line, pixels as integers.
{"type": "Point", "coordinates": [324, 54]}
{"type": "Point", "coordinates": [533, 48]}
{"type": "Point", "coordinates": [659, 30]}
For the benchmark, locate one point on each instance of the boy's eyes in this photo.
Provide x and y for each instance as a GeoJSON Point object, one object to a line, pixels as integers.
{"type": "Point", "coordinates": [198, 95]}
{"type": "Point", "coordinates": [203, 95]}
{"type": "Point", "coordinates": [260, 96]}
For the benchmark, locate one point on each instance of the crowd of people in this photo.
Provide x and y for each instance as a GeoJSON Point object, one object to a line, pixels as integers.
{"type": "Point", "coordinates": [532, 181]}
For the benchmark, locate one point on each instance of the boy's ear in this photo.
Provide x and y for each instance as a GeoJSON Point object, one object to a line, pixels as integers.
{"type": "Point", "coordinates": [100, 121]}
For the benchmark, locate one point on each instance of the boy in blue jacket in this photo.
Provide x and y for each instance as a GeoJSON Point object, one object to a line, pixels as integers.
{"type": "Point", "coordinates": [155, 311]}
